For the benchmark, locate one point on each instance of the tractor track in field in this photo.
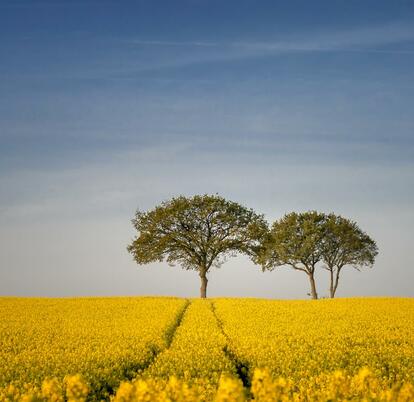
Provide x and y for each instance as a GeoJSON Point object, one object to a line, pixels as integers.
{"type": "Point", "coordinates": [168, 336]}
{"type": "Point", "coordinates": [133, 372]}
{"type": "Point", "coordinates": [170, 333]}
{"type": "Point", "coordinates": [242, 369]}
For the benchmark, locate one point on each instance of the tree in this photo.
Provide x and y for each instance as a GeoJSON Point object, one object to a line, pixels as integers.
{"type": "Point", "coordinates": [344, 244]}
{"type": "Point", "coordinates": [295, 240]}
{"type": "Point", "coordinates": [197, 232]}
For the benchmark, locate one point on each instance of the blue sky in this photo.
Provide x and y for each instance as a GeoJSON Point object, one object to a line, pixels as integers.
{"type": "Point", "coordinates": [108, 106]}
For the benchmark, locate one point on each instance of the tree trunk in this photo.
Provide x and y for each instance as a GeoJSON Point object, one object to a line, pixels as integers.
{"type": "Point", "coordinates": [335, 286]}
{"type": "Point", "coordinates": [332, 289]}
{"type": "Point", "coordinates": [313, 287]}
{"type": "Point", "coordinates": [203, 288]}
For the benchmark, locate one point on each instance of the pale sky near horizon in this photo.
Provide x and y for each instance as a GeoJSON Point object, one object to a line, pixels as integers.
{"type": "Point", "coordinates": [108, 106]}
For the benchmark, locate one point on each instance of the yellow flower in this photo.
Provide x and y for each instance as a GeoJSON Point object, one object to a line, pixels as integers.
{"type": "Point", "coordinates": [230, 390]}
{"type": "Point", "coordinates": [76, 388]}
{"type": "Point", "coordinates": [51, 390]}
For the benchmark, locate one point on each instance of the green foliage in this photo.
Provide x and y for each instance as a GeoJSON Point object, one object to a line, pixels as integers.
{"type": "Point", "coordinates": [295, 240]}
{"type": "Point", "coordinates": [302, 240]}
{"type": "Point", "coordinates": [346, 244]}
{"type": "Point", "coordinates": [197, 232]}
{"type": "Point", "coordinates": [204, 230]}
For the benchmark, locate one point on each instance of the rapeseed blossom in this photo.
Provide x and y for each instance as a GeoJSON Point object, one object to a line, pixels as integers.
{"type": "Point", "coordinates": [105, 340]}
{"type": "Point", "coordinates": [219, 350]}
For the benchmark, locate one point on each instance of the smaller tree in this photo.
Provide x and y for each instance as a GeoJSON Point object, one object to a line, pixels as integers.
{"type": "Point", "coordinates": [295, 240]}
{"type": "Point", "coordinates": [197, 232]}
{"type": "Point", "coordinates": [344, 243]}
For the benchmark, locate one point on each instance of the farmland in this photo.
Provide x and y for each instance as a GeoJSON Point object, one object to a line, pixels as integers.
{"type": "Point", "coordinates": [154, 349]}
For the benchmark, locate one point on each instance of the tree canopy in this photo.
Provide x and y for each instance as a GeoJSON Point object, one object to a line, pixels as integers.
{"type": "Point", "coordinates": [197, 232]}
{"type": "Point", "coordinates": [295, 240]}
{"type": "Point", "coordinates": [304, 240]}
{"type": "Point", "coordinates": [202, 231]}
{"type": "Point", "coordinates": [344, 244]}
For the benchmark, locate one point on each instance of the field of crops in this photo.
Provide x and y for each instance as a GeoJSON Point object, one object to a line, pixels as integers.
{"type": "Point", "coordinates": [171, 349]}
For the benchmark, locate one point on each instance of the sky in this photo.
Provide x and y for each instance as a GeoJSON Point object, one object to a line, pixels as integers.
{"type": "Point", "coordinates": [108, 106]}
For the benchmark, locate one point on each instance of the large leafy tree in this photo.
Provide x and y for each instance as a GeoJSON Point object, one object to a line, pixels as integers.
{"type": "Point", "coordinates": [344, 243]}
{"type": "Point", "coordinates": [198, 233]}
{"type": "Point", "coordinates": [295, 240]}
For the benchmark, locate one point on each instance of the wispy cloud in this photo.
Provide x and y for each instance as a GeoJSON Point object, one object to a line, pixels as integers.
{"type": "Point", "coordinates": [173, 43]}
{"type": "Point", "coordinates": [366, 39]}
{"type": "Point", "coordinates": [350, 39]}
{"type": "Point", "coordinates": [385, 39]}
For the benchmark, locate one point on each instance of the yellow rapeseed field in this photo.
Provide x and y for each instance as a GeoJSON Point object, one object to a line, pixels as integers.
{"type": "Point", "coordinates": [104, 340]}
{"type": "Point", "coordinates": [170, 349]}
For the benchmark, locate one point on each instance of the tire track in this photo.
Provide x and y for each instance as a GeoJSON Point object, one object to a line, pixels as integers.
{"type": "Point", "coordinates": [168, 336]}
{"type": "Point", "coordinates": [196, 352]}
{"type": "Point", "coordinates": [242, 368]}
{"type": "Point", "coordinates": [131, 372]}
{"type": "Point", "coordinates": [170, 332]}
